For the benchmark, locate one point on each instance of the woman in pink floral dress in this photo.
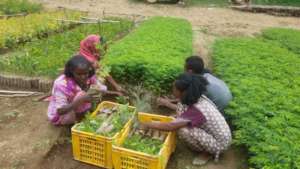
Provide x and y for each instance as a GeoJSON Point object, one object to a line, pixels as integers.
{"type": "Point", "coordinates": [70, 99]}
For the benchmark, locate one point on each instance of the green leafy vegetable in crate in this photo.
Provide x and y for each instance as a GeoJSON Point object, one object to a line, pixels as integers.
{"type": "Point", "coordinates": [108, 121]}
{"type": "Point", "coordinates": [144, 140]}
{"type": "Point", "coordinates": [149, 143]}
{"type": "Point", "coordinates": [90, 124]}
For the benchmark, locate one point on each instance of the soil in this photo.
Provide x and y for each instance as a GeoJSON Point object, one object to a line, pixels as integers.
{"type": "Point", "coordinates": [27, 140]}
{"type": "Point", "coordinates": [25, 134]}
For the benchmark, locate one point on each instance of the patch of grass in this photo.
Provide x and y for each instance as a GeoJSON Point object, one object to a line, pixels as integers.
{"type": "Point", "coordinates": [265, 82]}
{"type": "Point", "coordinates": [19, 6]}
{"type": "Point", "coordinates": [277, 2]}
{"type": "Point", "coordinates": [288, 38]}
{"type": "Point", "coordinates": [153, 54]}
{"type": "Point", "coordinates": [44, 57]}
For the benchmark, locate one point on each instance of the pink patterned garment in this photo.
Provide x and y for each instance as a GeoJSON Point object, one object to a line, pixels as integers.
{"type": "Point", "coordinates": [64, 91]}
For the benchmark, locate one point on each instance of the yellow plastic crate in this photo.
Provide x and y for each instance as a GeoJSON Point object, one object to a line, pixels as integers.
{"type": "Point", "coordinates": [129, 159]}
{"type": "Point", "coordinates": [97, 149]}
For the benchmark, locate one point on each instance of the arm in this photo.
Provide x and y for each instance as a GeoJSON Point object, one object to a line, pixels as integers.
{"type": "Point", "coordinates": [167, 103]}
{"type": "Point", "coordinates": [74, 104]}
{"type": "Point", "coordinates": [108, 92]}
{"type": "Point", "coordinates": [115, 85]}
{"type": "Point", "coordinates": [171, 105]}
{"type": "Point", "coordinates": [171, 126]}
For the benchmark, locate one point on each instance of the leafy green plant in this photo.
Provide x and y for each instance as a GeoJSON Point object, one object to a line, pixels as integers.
{"type": "Point", "coordinates": [288, 38]}
{"type": "Point", "coordinates": [19, 6]}
{"type": "Point", "coordinates": [46, 56]}
{"type": "Point", "coordinates": [264, 79]}
{"type": "Point", "coordinates": [122, 99]}
{"type": "Point", "coordinates": [141, 98]}
{"type": "Point", "coordinates": [143, 144]}
{"type": "Point", "coordinates": [153, 54]}
{"type": "Point", "coordinates": [90, 124]}
{"type": "Point", "coordinates": [121, 118]}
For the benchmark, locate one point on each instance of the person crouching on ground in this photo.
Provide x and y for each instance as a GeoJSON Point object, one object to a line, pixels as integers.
{"type": "Point", "coordinates": [199, 123]}
{"type": "Point", "coordinates": [71, 98]}
{"type": "Point", "coordinates": [216, 90]}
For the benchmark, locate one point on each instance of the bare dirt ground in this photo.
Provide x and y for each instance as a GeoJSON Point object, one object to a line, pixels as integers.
{"type": "Point", "coordinates": [25, 134]}
{"type": "Point", "coordinates": [27, 140]}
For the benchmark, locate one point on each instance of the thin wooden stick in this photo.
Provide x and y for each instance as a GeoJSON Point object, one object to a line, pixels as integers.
{"type": "Point", "coordinates": [13, 15]}
{"type": "Point", "coordinates": [18, 92]}
{"type": "Point", "coordinates": [100, 20]}
{"type": "Point", "coordinates": [16, 95]}
{"type": "Point", "coordinates": [74, 21]}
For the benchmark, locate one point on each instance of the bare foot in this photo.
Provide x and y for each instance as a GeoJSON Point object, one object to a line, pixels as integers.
{"type": "Point", "coordinates": [202, 159]}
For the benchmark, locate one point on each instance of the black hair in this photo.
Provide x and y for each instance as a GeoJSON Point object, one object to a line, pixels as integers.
{"type": "Point", "coordinates": [194, 63]}
{"type": "Point", "coordinates": [78, 61]}
{"type": "Point", "coordinates": [192, 86]}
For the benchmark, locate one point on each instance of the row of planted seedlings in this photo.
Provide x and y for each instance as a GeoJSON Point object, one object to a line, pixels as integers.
{"type": "Point", "coordinates": [264, 76]}
{"type": "Point", "coordinates": [18, 30]}
{"type": "Point", "coordinates": [111, 137]}
{"type": "Point", "coordinates": [16, 7]}
{"type": "Point", "coordinates": [47, 56]}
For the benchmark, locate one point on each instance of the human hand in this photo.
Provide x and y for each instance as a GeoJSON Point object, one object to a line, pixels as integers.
{"type": "Point", "coordinates": [121, 90]}
{"type": "Point", "coordinates": [162, 101]}
{"type": "Point", "coordinates": [94, 90]}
